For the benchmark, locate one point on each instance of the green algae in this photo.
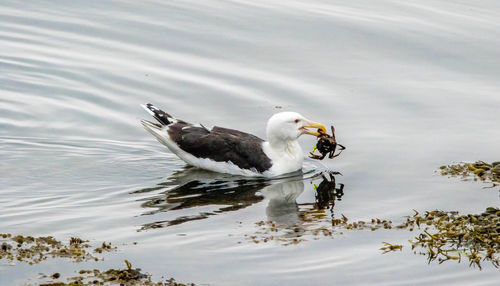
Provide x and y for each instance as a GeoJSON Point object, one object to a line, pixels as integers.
{"type": "Point", "coordinates": [33, 250]}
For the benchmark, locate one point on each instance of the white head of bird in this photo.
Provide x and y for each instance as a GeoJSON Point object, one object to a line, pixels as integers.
{"type": "Point", "coordinates": [285, 127]}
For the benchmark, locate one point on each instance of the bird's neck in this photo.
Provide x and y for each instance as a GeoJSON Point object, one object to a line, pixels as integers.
{"type": "Point", "coordinates": [289, 148]}
{"type": "Point", "coordinates": [286, 156]}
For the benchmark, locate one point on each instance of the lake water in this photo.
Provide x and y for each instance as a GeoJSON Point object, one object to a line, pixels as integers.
{"type": "Point", "coordinates": [409, 86]}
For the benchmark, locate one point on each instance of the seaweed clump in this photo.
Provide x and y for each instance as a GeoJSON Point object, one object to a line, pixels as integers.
{"type": "Point", "coordinates": [37, 249]}
{"type": "Point", "coordinates": [126, 277]}
{"type": "Point", "coordinates": [391, 247]}
{"type": "Point", "coordinates": [479, 170]}
{"type": "Point", "coordinates": [33, 250]}
{"type": "Point", "coordinates": [443, 235]}
{"type": "Point", "coordinates": [476, 237]}
{"type": "Point", "coordinates": [315, 223]}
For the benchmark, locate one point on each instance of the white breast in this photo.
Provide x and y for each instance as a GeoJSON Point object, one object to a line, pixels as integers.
{"type": "Point", "coordinates": [286, 160]}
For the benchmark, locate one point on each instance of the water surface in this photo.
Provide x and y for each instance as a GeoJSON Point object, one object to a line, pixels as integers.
{"type": "Point", "coordinates": [409, 86]}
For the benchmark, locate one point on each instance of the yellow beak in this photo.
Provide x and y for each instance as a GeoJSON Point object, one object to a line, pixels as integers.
{"type": "Point", "coordinates": [311, 124]}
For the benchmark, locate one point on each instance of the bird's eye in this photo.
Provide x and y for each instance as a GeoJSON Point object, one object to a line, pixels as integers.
{"type": "Point", "coordinates": [297, 120]}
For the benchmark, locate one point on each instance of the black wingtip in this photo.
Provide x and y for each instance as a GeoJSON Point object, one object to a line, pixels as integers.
{"type": "Point", "coordinates": [158, 114]}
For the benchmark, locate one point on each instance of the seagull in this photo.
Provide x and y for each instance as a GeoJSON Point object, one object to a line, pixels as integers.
{"type": "Point", "coordinates": [231, 151]}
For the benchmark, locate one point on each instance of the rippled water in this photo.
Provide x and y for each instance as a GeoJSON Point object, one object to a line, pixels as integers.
{"type": "Point", "coordinates": [409, 86]}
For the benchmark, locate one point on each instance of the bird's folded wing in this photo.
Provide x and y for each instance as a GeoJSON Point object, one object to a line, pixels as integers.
{"type": "Point", "coordinates": [221, 145]}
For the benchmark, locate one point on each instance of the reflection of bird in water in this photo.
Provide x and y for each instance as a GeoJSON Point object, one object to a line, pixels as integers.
{"type": "Point", "coordinates": [295, 220]}
{"type": "Point", "coordinates": [192, 188]}
{"type": "Point", "coordinates": [194, 194]}
{"type": "Point", "coordinates": [231, 151]}
{"type": "Point", "coordinates": [282, 207]}
{"type": "Point", "coordinates": [327, 192]}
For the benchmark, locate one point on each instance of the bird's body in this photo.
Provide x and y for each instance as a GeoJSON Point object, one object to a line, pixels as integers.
{"type": "Point", "coordinates": [231, 151]}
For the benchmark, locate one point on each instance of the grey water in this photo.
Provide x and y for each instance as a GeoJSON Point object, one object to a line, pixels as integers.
{"type": "Point", "coordinates": [409, 86]}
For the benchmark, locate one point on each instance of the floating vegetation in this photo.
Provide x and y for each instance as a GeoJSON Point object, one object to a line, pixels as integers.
{"type": "Point", "coordinates": [126, 277]}
{"type": "Point", "coordinates": [449, 236]}
{"type": "Point", "coordinates": [315, 224]}
{"type": "Point", "coordinates": [285, 235]}
{"type": "Point", "coordinates": [311, 219]}
{"type": "Point", "coordinates": [104, 247]}
{"type": "Point", "coordinates": [479, 170]}
{"type": "Point", "coordinates": [443, 235]}
{"type": "Point", "coordinates": [36, 249]}
{"type": "Point", "coordinates": [391, 247]}
{"type": "Point", "coordinates": [315, 220]}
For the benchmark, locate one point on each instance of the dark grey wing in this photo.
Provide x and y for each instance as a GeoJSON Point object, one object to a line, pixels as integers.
{"type": "Point", "coordinates": [221, 145]}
